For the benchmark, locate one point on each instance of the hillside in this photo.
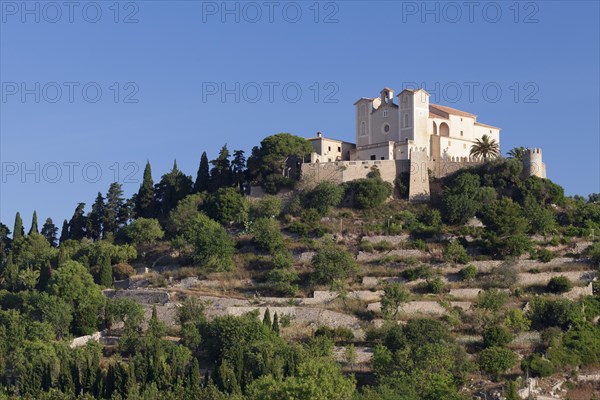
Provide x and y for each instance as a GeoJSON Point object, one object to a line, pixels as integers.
{"type": "Point", "coordinates": [199, 289]}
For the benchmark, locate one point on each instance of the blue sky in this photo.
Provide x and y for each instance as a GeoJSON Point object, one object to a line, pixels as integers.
{"type": "Point", "coordinates": [533, 68]}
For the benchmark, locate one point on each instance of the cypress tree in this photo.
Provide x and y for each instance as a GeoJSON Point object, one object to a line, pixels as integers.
{"type": "Point", "coordinates": [113, 217]}
{"type": "Point", "coordinates": [220, 174]}
{"type": "Point", "coordinates": [18, 230]}
{"type": "Point", "coordinates": [11, 273]}
{"type": "Point", "coordinates": [144, 205]}
{"type": "Point", "coordinates": [95, 217]}
{"type": "Point", "coordinates": [238, 169]}
{"type": "Point", "coordinates": [34, 224]}
{"type": "Point", "coordinates": [267, 318]}
{"type": "Point", "coordinates": [77, 223]}
{"type": "Point", "coordinates": [5, 242]}
{"type": "Point", "coordinates": [276, 323]}
{"type": "Point", "coordinates": [62, 256]}
{"type": "Point", "coordinates": [194, 376]}
{"type": "Point", "coordinates": [50, 231]}
{"type": "Point", "coordinates": [203, 177]}
{"type": "Point", "coordinates": [106, 277]}
{"type": "Point", "coordinates": [64, 232]}
{"type": "Point", "coordinates": [45, 275]}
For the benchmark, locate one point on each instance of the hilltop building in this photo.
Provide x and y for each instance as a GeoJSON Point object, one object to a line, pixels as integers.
{"type": "Point", "coordinates": [411, 135]}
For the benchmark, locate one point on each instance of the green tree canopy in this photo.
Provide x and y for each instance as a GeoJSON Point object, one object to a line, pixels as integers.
{"type": "Point", "coordinates": [212, 247]}
{"type": "Point", "coordinates": [268, 162]}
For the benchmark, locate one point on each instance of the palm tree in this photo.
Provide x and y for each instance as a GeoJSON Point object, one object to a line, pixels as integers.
{"type": "Point", "coordinates": [517, 153]}
{"type": "Point", "coordinates": [485, 148]}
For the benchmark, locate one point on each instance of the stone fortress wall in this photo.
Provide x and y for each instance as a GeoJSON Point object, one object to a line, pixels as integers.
{"type": "Point", "coordinates": [420, 166]}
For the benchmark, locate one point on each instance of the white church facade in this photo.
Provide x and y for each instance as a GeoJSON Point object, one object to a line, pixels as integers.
{"type": "Point", "coordinates": [409, 135]}
{"type": "Point", "coordinates": [389, 130]}
{"type": "Point", "coordinates": [386, 130]}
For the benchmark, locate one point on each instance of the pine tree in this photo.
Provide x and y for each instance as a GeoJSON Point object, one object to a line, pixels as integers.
{"type": "Point", "coordinates": [202, 183]}
{"type": "Point", "coordinates": [267, 318]}
{"type": "Point", "coordinates": [34, 224]}
{"type": "Point", "coordinates": [144, 203]}
{"type": "Point", "coordinates": [276, 323]}
{"type": "Point", "coordinates": [172, 187]}
{"type": "Point", "coordinates": [113, 217]}
{"type": "Point", "coordinates": [64, 232]}
{"type": "Point", "coordinates": [18, 231]}
{"type": "Point", "coordinates": [77, 223]}
{"type": "Point", "coordinates": [50, 232]}
{"type": "Point", "coordinates": [95, 218]}
{"type": "Point", "coordinates": [106, 277]}
{"type": "Point", "coordinates": [220, 174]}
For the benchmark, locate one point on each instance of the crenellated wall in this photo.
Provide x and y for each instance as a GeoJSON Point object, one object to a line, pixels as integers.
{"type": "Point", "coordinates": [533, 164]}
{"type": "Point", "coordinates": [419, 165]}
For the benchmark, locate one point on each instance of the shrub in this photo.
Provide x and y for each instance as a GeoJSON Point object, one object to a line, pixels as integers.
{"type": "Point", "coordinates": [468, 273]}
{"type": "Point", "coordinates": [492, 300]}
{"type": "Point", "coordinates": [337, 334]}
{"type": "Point", "coordinates": [402, 183]}
{"type": "Point", "coordinates": [367, 246]}
{"type": "Point", "coordinates": [495, 360]}
{"type": "Point", "coordinates": [330, 264]}
{"type": "Point", "coordinates": [593, 252]}
{"type": "Point", "coordinates": [412, 274]}
{"type": "Point", "coordinates": [324, 196]}
{"type": "Point", "coordinates": [282, 280]}
{"type": "Point", "coordinates": [435, 285]}
{"type": "Point", "coordinates": [546, 312]}
{"type": "Point", "coordinates": [537, 366]}
{"type": "Point", "coordinates": [394, 295]}
{"type": "Point", "coordinates": [545, 255]}
{"type": "Point", "coordinates": [267, 207]}
{"type": "Point", "coordinates": [227, 205]}
{"type": "Point", "coordinates": [267, 234]}
{"type": "Point", "coordinates": [516, 320]}
{"type": "Point", "coordinates": [383, 246]}
{"type": "Point", "coordinates": [211, 245]}
{"type": "Point", "coordinates": [419, 244]}
{"type": "Point", "coordinates": [496, 336]}
{"type": "Point", "coordinates": [370, 192]}
{"type": "Point", "coordinates": [503, 276]}
{"type": "Point", "coordinates": [559, 284]}
{"type": "Point", "coordinates": [144, 231]}
{"type": "Point", "coordinates": [122, 271]}
{"type": "Point", "coordinates": [456, 253]}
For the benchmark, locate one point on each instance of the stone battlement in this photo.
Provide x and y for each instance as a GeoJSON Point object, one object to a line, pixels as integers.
{"type": "Point", "coordinates": [420, 167]}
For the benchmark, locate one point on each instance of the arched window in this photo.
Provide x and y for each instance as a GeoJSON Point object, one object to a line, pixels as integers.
{"type": "Point", "coordinates": [405, 124]}
{"type": "Point", "coordinates": [363, 128]}
{"type": "Point", "coordinates": [444, 129]}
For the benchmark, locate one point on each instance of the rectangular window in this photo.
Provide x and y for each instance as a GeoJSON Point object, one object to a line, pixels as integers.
{"type": "Point", "coordinates": [461, 133]}
{"type": "Point", "coordinates": [329, 148]}
{"type": "Point", "coordinates": [383, 158]}
{"type": "Point", "coordinates": [373, 157]}
{"type": "Point", "coordinates": [339, 149]}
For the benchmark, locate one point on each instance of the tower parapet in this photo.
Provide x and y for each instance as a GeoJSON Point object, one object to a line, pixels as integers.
{"type": "Point", "coordinates": [533, 164]}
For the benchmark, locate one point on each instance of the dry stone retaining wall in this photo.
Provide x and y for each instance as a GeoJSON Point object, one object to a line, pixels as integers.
{"type": "Point", "coordinates": [144, 296]}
